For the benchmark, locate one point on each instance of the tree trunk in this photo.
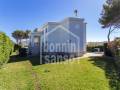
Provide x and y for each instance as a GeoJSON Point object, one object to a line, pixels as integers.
{"type": "Point", "coordinates": [109, 35]}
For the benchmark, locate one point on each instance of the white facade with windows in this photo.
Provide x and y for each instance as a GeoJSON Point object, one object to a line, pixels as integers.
{"type": "Point", "coordinates": [50, 38]}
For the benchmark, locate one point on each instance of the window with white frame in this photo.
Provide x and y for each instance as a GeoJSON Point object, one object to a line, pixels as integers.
{"type": "Point", "coordinates": [36, 40]}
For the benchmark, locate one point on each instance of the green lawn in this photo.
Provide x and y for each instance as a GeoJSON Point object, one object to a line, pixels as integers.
{"type": "Point", "coordinates": [16, 76]}
{"type": "Point", "coordinates": [77, 75]}
{"type": "Point", "coordinates": [83, 74]}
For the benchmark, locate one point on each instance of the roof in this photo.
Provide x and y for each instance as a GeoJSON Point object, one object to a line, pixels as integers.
{"type": "Point", "coordinates": [58, 23]}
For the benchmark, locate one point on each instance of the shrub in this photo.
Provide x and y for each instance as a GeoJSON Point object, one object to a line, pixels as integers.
{"type": "Point", "coordinates": [23, 52]}
{"type": "Point", "coordinates": [92, 48]}
{"type": "Point", "coordinates": [107, 50]}
{"type": "Point", "coordinates": [114, 47]}
{"type": "Point", "coordinates": [6, 48]}
{"type": "Point", "coordinates": [16, 47]}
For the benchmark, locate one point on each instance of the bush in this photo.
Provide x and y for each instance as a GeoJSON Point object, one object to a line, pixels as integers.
{"type": "Point", "coordinates": [16, 47]}
{"type": "Point", "coordinates": [107, 50]}
{"type": "Point", "coordinates": [92, 48]}
{"type": "Point", "coordinates": [6, 48]}
{"type": "Point", "coordinates": [23, 52]}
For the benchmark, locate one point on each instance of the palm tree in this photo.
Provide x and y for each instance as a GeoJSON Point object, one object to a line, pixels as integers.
{"type": "Point", "coordinates": [18, 35]}
{"type": "Point", "coordinates": [26, 35]}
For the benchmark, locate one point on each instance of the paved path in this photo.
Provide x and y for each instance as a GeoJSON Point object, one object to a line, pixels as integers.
{"type": "Point", "coordinates": [87, 55]}
{"type": "Point", "coordinates": [93, 54]}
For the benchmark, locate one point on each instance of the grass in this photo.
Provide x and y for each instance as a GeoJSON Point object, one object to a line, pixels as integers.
{"type": "Point", "coordinates": [77, 75]}
{"type": "Point", "coordinates": [84, 74]}
{"type": "Point", "coordinates": [16, 76]}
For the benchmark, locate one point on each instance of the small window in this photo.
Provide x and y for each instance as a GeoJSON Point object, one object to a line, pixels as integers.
{"type": "Point", "coordinates": [36, 41]}
{"type": "Point", "coordinates": [46, 30]}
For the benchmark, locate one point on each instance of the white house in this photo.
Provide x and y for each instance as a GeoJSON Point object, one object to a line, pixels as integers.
{"type": "Point", "coordinates": [66, 36]}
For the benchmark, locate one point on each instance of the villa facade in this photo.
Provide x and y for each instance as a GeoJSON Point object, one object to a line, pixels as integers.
{"type": "Point", "coordinates": [66, 36]}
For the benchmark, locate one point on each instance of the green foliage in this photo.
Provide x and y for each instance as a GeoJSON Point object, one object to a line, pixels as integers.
{"type": "Point", "coordinates": [23, 52]}
{"type": "Point", "coordinates": [92, 48]}
{"type": "Point", "coordinates": [107, 50]}
{"type": "Point", "coordinates": [113, 49]}
{"type": "Point", "coordinates": [18, 35]}
{"type": "Point", "coordinates": [110, 15]}
{"type": "Point", "coordinates": [26, 34]}
{"type": "Point", "coordinates": [6, 48]}
{"type": "Point", "coordinates": [16, 47]}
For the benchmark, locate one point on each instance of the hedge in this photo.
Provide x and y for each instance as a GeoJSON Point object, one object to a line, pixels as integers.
{"type": "Point", "coordinates": [6, 48]}
{"type": "Point", "coordinates": [17, 47]}
{"type": "Point", "coordinates": [108, 51]}
{"type": "Point", "coordinates": [92, 48]}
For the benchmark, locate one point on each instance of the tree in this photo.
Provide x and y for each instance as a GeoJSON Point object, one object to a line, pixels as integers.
{"type": "Point", "coordinates": [26, 34]}
{"type": "Point", "coordinates": [110, 17]}
{"type": "Point", "coordinates": [18, 35]}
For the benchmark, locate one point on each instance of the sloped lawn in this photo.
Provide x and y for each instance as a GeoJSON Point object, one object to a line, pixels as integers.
{"type": "Point", "coordinates": [16, 76]}
{"type": "Point", "coordinates": [85, 74]}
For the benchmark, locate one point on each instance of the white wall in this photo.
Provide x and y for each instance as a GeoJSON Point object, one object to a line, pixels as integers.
{"type": "Point", "coordinates": [75, 25]}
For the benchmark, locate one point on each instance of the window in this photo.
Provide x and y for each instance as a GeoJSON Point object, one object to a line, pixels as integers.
{"type": "Point", "coordinates": [46, 30]}
{"type": "Point", "coordinates": [36, 41]}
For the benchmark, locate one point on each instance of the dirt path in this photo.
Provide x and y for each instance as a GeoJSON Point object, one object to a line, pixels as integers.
{"type": "Point", "coordinates": [15, 58]}
{"type": "Point", "coordinates": [37, 83]}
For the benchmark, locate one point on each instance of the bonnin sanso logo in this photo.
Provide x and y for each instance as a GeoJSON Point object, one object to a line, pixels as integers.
{"type": "Point", "coordinates": [58, 44]}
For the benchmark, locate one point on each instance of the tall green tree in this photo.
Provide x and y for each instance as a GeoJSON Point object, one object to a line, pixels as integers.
{"type": "Point", "coordinates": [110, 16]}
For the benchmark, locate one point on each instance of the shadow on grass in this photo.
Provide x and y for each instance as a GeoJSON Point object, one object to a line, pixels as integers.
{"type": "Point", "coordinates": [111, 71]}
{"type": "Point", "coordinates": [108, 65]}
{"type": "Point", "coordinates": [16, 58]}
{"type": "Point", "coordinates": [34, 60]}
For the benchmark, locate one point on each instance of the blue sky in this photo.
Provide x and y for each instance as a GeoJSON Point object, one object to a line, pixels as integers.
{"type": "Point", "coordinates": [31, 14]}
